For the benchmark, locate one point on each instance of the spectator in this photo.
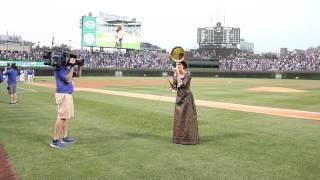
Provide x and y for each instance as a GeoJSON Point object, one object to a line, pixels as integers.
{"type": "Point", "coordinates": [11, 72]}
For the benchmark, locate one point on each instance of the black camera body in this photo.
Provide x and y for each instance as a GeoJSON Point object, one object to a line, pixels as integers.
{"type": "Point", "coordinates": [58, 59]}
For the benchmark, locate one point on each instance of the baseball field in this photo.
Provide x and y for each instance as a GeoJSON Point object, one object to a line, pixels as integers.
{"type": "Point", "coordinates": [248, 128]}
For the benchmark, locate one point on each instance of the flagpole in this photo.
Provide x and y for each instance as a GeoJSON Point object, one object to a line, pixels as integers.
{"type": "Point", "coordinates": [52, 42]}
{"type": "Point", "coordinates": [7, 41]}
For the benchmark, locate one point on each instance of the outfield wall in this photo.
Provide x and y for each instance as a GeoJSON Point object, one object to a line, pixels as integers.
{"type": "Point", "coordinates": [196, 72]}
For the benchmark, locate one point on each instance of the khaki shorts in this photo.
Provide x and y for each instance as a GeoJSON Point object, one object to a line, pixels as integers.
{"type": "Point", "coordinates": [65, 105]}
{"type": "Point", "coordinates": [12, 89]}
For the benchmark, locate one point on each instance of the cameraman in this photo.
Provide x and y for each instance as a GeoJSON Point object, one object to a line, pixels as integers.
{"type": "Point", "coordinates": [64, 100]}
{"type": "Point", "coordinates": [11, 72]}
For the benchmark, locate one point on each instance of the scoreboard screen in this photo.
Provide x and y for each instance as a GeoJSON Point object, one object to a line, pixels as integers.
{"type": "Point", "coordinates": [218, 35]}
{"type": "Point", "coordinates": [110, 31]}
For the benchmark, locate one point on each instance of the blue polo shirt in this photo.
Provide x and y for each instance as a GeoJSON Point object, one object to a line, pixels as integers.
{"type": "Point", "coordinates": [29, 72]}
{"type": "Point", "coordinates": [63, 86]}
{"type": "Point", "coordinates": [1, 77]}
{"type": "Point", "coordinates": [12, 76]}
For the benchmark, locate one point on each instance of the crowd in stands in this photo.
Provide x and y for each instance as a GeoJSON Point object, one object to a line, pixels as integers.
{"type": "Point", "coordinates": [213, 53]}
{"type": "Point", "coordinates": [298, 60]}
{"type": "Point", "coordinates": [203, 54]}
{"type": "Point", "coordinates": [100, 59]}
{"type": "Point", "coordinates": [132, 59]}
{"type": "Point", "coordinates": [295, 61]}
{"type": "Point", "coordinates": [20, 55]}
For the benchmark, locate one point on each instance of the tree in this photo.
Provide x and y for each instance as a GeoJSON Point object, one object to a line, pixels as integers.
{"type": "Point", "coordinates": [61, 47]}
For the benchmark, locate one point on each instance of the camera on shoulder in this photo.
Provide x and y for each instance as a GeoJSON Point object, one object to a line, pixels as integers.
{"type": "Point", "coordinates": [58, 59]}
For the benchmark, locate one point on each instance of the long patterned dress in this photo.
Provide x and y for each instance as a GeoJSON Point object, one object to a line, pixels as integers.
{"type": "Point", "coordinates": [185, 117]}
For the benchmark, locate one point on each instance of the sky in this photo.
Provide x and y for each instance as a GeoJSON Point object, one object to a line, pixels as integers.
{"type": "Point", "coordinates": [269, 24]}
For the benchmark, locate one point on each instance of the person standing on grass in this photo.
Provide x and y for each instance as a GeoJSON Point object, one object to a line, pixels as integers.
{"type": "Point", "coordinates": [11, 72]}
{"type": "Point", "coordinates": [21, 76]}
{"type": "Point", "coordinates": [25, 72]}
{"type": "Point", "coordinates": [30, 80]}
{"type": "Point", "coordinates": [64, 100]}
{"type": "Point", "coordinates": [185, 117]}
{"type": "Point", "coordinates": [1, 76]}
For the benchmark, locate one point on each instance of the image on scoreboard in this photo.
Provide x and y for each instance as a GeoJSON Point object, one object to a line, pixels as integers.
{"type": "Point", "coordinates": [115, 33]}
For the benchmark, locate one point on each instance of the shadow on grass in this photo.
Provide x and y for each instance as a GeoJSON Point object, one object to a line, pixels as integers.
{"type": "Point", "coordinates": [134, 135]}
{"type": "Point", "coordinates": [203, 139]}
{"type": "Point", "coordinates": [222, 137]}
{"type": "Point", "coordinates": [96, 136]}
{"type": "Point", "coordinates": [5, 102]}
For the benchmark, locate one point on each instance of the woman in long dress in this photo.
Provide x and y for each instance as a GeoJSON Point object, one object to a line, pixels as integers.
{"type": "Point", "coordinates": [185, 129]}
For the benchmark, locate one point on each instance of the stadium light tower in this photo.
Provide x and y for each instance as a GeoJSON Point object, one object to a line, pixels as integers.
{"type": "Point", "coordinates": [7, 38]}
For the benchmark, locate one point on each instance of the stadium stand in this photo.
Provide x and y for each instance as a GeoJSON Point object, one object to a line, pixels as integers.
{"type": "Point", "coordinates": [153, 57]}
{"type": "Point", "coordinates": [295, 61]}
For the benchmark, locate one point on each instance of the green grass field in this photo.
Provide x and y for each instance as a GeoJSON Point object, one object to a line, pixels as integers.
{"type": "Point", "coordinates": [129, 138]}
{"type": "Point", "coordinates": [107, 39]}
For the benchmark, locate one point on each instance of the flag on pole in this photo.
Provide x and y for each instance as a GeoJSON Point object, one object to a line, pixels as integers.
{"type": "Point", "coordinates": [52, 42]}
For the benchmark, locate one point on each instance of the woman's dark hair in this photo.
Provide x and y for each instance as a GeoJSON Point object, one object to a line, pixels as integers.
{"type": "Point", "coordinates": [184, 64]}
{"type": "Point", "coordinates": [118, 28]}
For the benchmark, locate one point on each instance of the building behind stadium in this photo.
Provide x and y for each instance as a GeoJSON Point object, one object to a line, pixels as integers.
{"type": "Point", "coordinates": [14, 43]}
